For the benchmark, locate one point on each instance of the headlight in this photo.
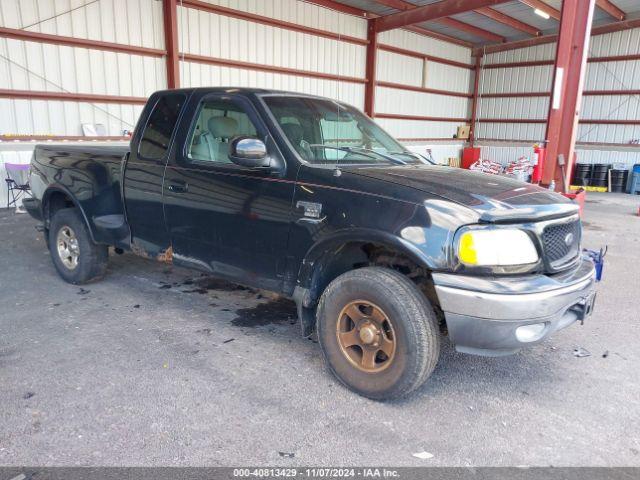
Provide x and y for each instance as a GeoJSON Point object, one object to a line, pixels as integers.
{"type": "Point", "coordinates": [496, 247]}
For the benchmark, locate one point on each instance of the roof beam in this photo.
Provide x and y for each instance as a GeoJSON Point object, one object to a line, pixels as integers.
{"type": "Point", "coordinates": [611, 9]}
{"type": "Point", "coordinates": [434, 11]}
{"type": "Point", "coordinates": [488, 12]}
{"type": "Point", "coordinates": [530, 42]}
{"type": "Point", "coordinates": [508, 21]}
{"type": "Point", "coordinates": [438, 36]}
{"type": "Point", "coordinates": [465, 27]}
{"type": "Point", "coordinates": [397, 4]}
{"type": "Point", "coordinates": [342, 8]}
{"type": "Point", "coordinates": [543, 7]}
{"type": "Point", "coordinates": [369, 15]}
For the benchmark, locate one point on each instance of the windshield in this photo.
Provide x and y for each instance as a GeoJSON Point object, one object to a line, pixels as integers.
{"type": "Point", "coordinates": [324, 131]}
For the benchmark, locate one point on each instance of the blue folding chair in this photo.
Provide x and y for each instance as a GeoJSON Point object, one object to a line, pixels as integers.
{"type": "Point", "coordinates": [17, 182]}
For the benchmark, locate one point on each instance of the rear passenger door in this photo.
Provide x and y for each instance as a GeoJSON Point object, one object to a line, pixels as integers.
{"type": "Point", "coordinates": [222, 217]}
{"type": "Point", "coordinates": [144, 172]}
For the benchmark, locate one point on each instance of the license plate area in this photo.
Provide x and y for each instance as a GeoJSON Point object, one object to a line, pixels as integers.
{"type": "Point", "coordinates": [585, 308]}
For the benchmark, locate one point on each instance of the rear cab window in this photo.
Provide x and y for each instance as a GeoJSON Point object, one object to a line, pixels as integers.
{"type": "Point", "coordinates": [156, 137]}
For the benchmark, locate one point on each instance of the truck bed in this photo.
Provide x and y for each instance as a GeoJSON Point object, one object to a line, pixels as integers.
{"type": "Point", "coordinates": [90, 175]}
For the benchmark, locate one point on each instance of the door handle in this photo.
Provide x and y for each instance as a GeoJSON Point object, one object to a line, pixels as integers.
{"type": "Point", "coordinates": [179, 187]}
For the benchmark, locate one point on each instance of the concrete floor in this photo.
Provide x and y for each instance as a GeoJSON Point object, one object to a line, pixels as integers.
{"type": "Point", "coordinates": [158, 366]}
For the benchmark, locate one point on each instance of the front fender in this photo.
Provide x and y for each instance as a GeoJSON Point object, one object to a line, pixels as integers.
{"type": "Point", "coordinates": [358, 235]}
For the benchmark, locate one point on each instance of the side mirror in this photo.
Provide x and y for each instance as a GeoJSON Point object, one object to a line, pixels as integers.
{"type": "Point", "coordinates": [249, 152]}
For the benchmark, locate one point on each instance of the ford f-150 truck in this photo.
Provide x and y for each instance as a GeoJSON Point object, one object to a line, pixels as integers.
{"type": "Point", "coordinates": [383, 253]}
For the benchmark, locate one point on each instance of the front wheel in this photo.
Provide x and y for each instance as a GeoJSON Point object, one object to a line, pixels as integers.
{"type": "Point", "coordinates": [77, 259]}
{"type": "Point", "coordinates": [378, 332]}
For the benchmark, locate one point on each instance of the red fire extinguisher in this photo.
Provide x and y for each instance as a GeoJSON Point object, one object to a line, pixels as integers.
{"type": "Point", "coordinates": [539, 154]}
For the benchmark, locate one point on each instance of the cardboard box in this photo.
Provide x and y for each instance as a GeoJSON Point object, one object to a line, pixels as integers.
{"type": "Point", "coordinates": [463, 132]}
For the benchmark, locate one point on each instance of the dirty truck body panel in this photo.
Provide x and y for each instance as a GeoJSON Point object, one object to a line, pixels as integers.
{"type": "Point", "coordinates": [177, 195]}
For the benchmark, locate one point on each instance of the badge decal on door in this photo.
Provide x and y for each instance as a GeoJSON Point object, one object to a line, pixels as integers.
{"type": "Point", "coordinates": [311, 210]}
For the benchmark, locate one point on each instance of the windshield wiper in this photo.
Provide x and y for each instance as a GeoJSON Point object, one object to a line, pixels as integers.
{"type": "Point", "coordinates": [360, 150]}
{"type": "Point", "coordinates": [417, 156]}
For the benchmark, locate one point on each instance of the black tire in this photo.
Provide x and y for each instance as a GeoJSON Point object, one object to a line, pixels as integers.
{"type": "Point", "coordinates": [91, 259]}
{"type": "Point", "coordinates": [414, 329]}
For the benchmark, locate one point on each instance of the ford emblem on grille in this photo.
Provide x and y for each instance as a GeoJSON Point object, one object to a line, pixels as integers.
{"type": "Point", "coordinates": [568, 239]}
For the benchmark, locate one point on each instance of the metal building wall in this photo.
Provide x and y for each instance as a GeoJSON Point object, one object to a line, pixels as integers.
{"type": "Point", "coordinates": [212, 35]}
{"type": "Point", "coordinates": [397, 68]}
{"type": "Point", "coordinates": [296, 60]}
{"type": "Point", "coordinates": [29, 65]}
{"type": "Point", "coordinates": [610, 137]}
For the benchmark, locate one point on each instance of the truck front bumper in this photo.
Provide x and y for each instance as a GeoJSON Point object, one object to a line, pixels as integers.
{"type": "Point", "coordinates": [500, 315]}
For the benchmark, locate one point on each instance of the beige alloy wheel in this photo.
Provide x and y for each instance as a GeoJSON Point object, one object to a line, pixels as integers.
{"type": "Point", "coordinates": [366, 336]}
{"type": "Point", "coordinates": [68, 247]}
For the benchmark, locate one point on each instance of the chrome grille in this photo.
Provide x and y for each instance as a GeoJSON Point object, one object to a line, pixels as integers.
{"type": "Point", "coordinates": [561, 242]}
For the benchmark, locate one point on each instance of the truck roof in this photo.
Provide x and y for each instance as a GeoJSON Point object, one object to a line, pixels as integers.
{"type": "Point", "coordinates": [245, 91]}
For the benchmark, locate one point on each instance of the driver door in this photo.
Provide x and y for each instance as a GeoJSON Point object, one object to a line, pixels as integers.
{"type": "Point", "coordinates": [225, 218]}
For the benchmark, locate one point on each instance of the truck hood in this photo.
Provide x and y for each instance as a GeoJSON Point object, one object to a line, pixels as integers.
{"type": "Point", "coordinates": [495, 198]}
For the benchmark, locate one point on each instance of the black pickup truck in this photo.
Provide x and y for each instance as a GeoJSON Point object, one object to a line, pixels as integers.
{"type": "Point", "coordinates": [306, 196]}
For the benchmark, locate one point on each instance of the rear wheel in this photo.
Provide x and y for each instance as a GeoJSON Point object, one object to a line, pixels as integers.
{"type": "Point", "coordinates": [76, 258]}
{"type": "Point", "coordinates": [378, 332]}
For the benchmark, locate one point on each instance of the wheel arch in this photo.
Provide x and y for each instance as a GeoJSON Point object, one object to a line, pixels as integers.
{"type": "Point", "coordinates": [348, 250]}
{"type": "Point", "coordinates": [57, 197]}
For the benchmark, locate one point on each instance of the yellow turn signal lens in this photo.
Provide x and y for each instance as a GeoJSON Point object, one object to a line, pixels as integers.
{"type": "Point", "coordinates": [467, 251]}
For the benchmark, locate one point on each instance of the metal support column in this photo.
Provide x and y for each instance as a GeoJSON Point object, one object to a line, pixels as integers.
{"type": "Point", "coordinates": [564, 108]}
{"type": "Point", "coordinates": [474, 101]}
{"type": "Point", "coordinates": [370, 70]}
{"type": "Point", "coordinates": [170, 13]}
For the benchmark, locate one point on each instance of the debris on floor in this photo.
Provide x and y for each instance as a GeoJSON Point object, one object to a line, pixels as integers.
{"type": "Point", "coordinates": [287, 454]}
{"type": "Point", "coordinates": [423, 455]}
{"type": "Point", "coordinates": [581, 352]}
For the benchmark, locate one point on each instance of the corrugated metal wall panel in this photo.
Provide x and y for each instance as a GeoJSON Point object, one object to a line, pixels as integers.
{"type": "Point", "coordinates": [418, 129]}
{"type": "Point", "coordinates": [391, 100]}
{"type": "Point", "coordinates": [613, 75]}
{"type": "Point", "coordinates": [545, 51]}
{"type": "Point", "coordinates": [208, 34]}
{"type": "Point", "coordinates": [395, 68]}
{"type": "Point", "coordinates": [430, 46]}
{"type": "Point", "coordinates": [619, 75]}
{"type": "Point", "coordinates": [57, 118]}
{"type": "Point", "coordinates": [516, 80]}
{"type": "Point", "coordinates": [624, 159]}
{"type": "Point", "coordinates": [511, 108]}
{"type": "Point", "coordinates": [402, 69]}
{"type": "Point", "coordinates": [505, 155]}
{"type": "Point", "coordinates": [302, 13]}
{"type": "Point", "coordinates": [617, 43]}
{"type": "Point", "coordinates": [131, 22]}
{"type": "Point", "coordinates": [447, 77]}
{"type": "Point", "coordinates": [37, 66]}
{"type": "Point", "coordinates": [511, 131]}
{"type": "Point", "coordinates": [612, 133]}
{"type": "Point", "coordinates": [200, 75]}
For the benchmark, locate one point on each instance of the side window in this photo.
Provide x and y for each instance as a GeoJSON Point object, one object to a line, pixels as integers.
{"type": "Point", "coordinates": [160, 126]}
{"type": "Point", "coordinates": [218, 122]}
